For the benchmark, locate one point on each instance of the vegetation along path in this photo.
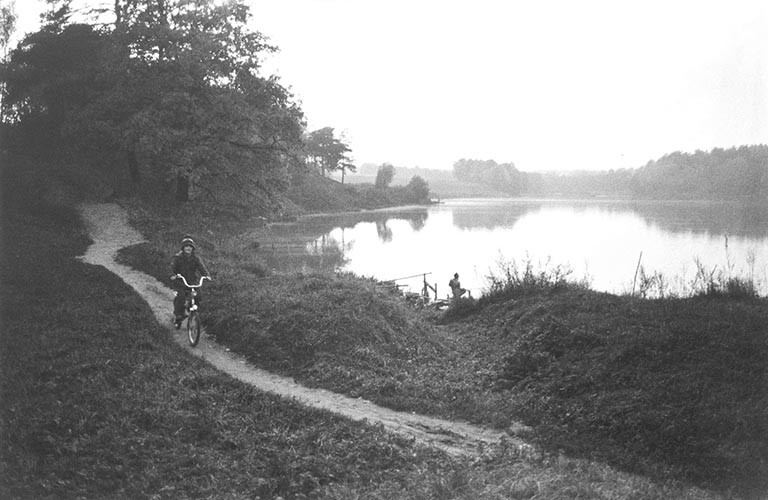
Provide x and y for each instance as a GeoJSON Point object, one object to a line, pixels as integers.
{"type": "Point", "coordinates": [109, 229]}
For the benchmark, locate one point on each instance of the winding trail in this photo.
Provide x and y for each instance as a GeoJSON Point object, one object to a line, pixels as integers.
{"type": "Point", "coordinates": [110, 231]}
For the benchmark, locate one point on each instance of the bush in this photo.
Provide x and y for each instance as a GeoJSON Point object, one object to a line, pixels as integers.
{"type": "Point", "coordinates": [510, 280]}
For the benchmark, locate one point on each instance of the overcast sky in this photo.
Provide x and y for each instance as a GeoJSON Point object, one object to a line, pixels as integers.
{"type": "Point", "coordinates": [547, 85]}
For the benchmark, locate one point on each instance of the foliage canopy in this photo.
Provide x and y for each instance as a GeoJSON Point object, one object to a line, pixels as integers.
{"type": "Point", "coordinates": [170, 96]}
{"type": "Point", "coordinates": [384, 176]}
{"type": "Point", "coordinates": [504, 176]}
{"type": "Point", "coordinates": [328, 153]}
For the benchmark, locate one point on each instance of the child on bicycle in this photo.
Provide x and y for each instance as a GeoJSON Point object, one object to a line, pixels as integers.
{"type": "Point", "coordinates": [188, 264]}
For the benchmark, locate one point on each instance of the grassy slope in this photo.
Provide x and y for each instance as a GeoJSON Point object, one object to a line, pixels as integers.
{"type": "Point", "coordinates": [98, 402]}
{"type": "Point", "coordinates": [669, 387]}
{"type": "Point", "coordinates": [604, 393]}
{"type": "Point", "coordinates": [337, 332]}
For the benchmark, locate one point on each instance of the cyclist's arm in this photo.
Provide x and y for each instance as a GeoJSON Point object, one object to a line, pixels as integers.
{"type": "Point", "coordinates": [175, 267]}
{"type": "Point", "coordinates": [201, 267]}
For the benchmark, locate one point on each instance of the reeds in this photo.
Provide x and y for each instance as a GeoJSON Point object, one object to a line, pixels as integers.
{"type": "Point", "coordinates": [725, 280]}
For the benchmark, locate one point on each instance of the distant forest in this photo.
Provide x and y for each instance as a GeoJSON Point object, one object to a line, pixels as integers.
{"type": "Point", "coordinates": [721, 174]}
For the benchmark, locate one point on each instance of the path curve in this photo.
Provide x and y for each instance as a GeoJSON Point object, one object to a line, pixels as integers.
{"type": "Point", "coordinates": [110, 231]}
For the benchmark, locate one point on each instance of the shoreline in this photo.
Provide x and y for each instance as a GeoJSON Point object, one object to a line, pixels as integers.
{"type": "Point", "coordinates": [110, 232]}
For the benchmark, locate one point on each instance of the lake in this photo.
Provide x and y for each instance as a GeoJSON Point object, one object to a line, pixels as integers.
{"type": "Point", "coordinates": [598, 240]}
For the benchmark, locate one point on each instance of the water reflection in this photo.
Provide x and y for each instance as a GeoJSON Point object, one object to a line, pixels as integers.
{"type": "Point", "coordinates": [418, 220]}
{"type": "Point", "coordinates": [326, 253]}
{"type": "Point", "coordinates": [384, 232]}
{"type": "Point", "coordinates": [491, 216]}
{"type": "Point", "coordinates": [324, 223]}
{"type": "Point", "coordinates": [319, 241]}
{"type": "Point", "coordinates": [599, 239]}
{"type": "Point", "coordinates": [731, 218]}
{"type": "Point", "coordinates": [726, 218]}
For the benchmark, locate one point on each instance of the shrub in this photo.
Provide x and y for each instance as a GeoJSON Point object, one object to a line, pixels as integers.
{"type": "Point", "coordinates": [510, 279]}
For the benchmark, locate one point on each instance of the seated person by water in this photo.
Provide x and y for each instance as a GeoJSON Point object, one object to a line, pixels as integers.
{"type": "Point", "coordinates": [455, 286]}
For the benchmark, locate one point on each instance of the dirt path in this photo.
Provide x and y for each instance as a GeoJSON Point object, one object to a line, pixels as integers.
{"type": "Point", "coordinates": [108, 227]}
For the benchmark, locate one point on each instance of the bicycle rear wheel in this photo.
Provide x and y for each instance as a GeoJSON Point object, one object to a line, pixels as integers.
{"type": "Point", "coordinates": [193, 328]}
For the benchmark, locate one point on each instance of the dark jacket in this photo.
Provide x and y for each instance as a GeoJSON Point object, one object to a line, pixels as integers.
{"type": "Point", "coordinates": [190, 266]}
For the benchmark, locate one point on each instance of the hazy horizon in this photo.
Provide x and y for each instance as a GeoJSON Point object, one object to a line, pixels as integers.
{"type": "Point", "coordinates": [550, 86]}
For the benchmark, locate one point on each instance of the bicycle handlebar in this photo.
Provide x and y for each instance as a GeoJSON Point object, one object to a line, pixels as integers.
{"type": "Point", "coordinates": [187, 284]}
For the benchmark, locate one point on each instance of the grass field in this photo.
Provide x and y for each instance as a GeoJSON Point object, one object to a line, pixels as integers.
{"type": "Point", "coordinates": [671, 388]}
{"type": "Point", "coordinates": [97, 401]}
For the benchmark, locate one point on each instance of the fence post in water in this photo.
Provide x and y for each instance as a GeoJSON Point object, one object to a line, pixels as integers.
{"type": "Point", "coordinates": [634, 281]}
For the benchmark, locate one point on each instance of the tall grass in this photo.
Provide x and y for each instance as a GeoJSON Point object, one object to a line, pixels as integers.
{"type": "Point", "coordinates": [669, 387]}
{"type": "Point", "coordinates": [724, 281]}
{"type": "Point", "coordinates": [706, 281]}
{"type": "Point", "coordinates": [511, 278]}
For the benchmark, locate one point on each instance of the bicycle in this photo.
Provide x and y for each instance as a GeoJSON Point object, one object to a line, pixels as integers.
{"type": "Point", "coordinates": [191, 309]}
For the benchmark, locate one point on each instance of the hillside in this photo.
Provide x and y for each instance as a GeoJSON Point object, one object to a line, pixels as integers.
{"type": "Point", "coordinates": [720, 174]}
{"type": "Point", "coordinates": [639, 384]}
{"type": "Point", "coordinates": [311, 192]}
{"type": "Point", "coordinates": [442, 183]}
{"type": "Point", "coordinates": [99, 401]}
{"type": "Point", "coordinates": [621, 397]}
{"type": "Point", "coordinates": [644, 386]}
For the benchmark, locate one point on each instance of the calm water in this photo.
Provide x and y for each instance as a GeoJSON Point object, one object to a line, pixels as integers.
{"type": "Point", "coordinates": [598, 240]}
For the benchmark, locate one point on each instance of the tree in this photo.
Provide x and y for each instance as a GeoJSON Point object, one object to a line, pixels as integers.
{"type": "Point", "coordinates": [7, 24]}
{"type": "Point", "coordinates": [384, 176]}
{"type": "Point", "coordinates": [504, 177]}
{"type": "Point", "coordinates": [50, 77]}
{"type": "Point", "coordinates": [345, 166]}
{"type": "Point", "coordinates": [419, 189]}
{"type": "Point", "coordinates": [174, 91]}
{"type": "Point", "coordinates": [326, 152]}
{"type": "Point", "coordinates": [7, 28]}
{"type": "Point", "coordinates": [720, 174]}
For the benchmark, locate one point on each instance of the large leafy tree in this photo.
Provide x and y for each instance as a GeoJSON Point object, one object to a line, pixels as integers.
{"type": "Point", "coordinates": [503, 176]}
{"type": "Point", "coordinates": [47, 79]}
{"type": "Point", "coordinates": [173, 93]}
{"type": "Point", "coordinates": [384, 176]}
{"type": "Point", "coordinates": [419, 189]}
{"type": "Point", "coordinates": [7, 23]}
{"type": "Point", "coordinates": [7, 28]}
{"type": "Point", "coordinates": [327, 152]}
{"type": "Point", "coordinates": [346, 166]}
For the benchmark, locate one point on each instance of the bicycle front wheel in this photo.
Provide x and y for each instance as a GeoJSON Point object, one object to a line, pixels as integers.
{"type": "Point", "coordinates": [193, 328]}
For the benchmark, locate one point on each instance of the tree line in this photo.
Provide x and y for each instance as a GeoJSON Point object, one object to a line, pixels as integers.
{"type": "Point", "coordinates": [167, 98]}
{"type": "Point", "coordinates": [502, 176]}
{"type": "Point", "coordinates": [719, 174]}
{"type": "Point", "coordinates": [738, 172]}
